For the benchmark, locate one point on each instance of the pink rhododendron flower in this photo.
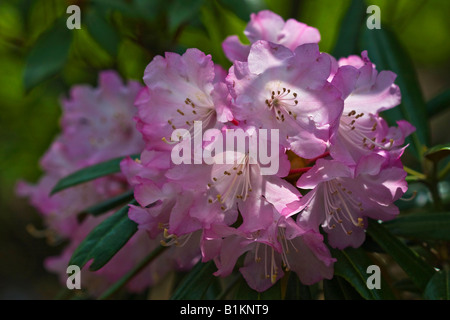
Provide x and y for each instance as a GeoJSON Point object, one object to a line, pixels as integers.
{"type": "Point", "coordinates": [96, 127]}
{"type": "Point", "coordinates": [181, 90]}
{"type": "Point", "coordinates": [267, 25]}
{"type": "Point", "coordinates": [343, 197]}
{"type": "Point", "coordinates": [366, 93]}
{"type": "Point", "coordinates": [288, 91]}
{"type": "Point", "coordinates": [283, 244]}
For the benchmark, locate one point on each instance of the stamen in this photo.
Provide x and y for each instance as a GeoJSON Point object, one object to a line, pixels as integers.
{"type": "Point", "coordinates": [281, 102]}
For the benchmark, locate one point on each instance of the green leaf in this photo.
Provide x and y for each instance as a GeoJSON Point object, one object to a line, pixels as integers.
{"type": "Point", "coordinates": [49, 54]}
{"type": "Point", "coordinates": [438, 152]}
{"type": "Point", "coordinates": [181, 11]}
{"type": "Point", "coordinates": [417, 269]}
{"type": "Point", "coordinates": [295, 289]}
{"type": "Point", "coordinates": [386, 52]}
{"type": "Point", "coordinates": [273, 293]}
{"type": "Point", "coordinates": [196, 283]}
{"type": "Point", "coordinates": [90, 173]}
{"type": "Point", "coordinates": [132, 273]}
{"type": "Point", "coordinates": [105, 34]}
{"type": "Point", "coordinates": [109, 204]}
{"type": "Point", "coordinates": [244, 292]}
{"type": "Point", "coordinates": [243, 8]}
{"type": "Point", "coordinates": [150, 10]}
{"type": "Point", "coordinates": [347, 40]}
{"type": "Point", "coordinates": [105, 240]}
{"type": "Point", "coordinates": [438, 288]}
{"type": "Point", "coordinates": [123, 7]}
{"type": "Point", "coordinates": [352, 266]}
{"type": "Point", "coordinates": [339, 289]}
{"type": "Point", "coordinates": [422, 225]}
{"type": "Point", "coordinates": [438, 104]}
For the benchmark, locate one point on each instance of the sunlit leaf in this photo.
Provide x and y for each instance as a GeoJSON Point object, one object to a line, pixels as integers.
{"type": "Point", "coordinates": [387, 53]}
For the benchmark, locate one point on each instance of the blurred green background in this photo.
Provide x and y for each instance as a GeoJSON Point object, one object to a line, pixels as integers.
{"type": "Point", "coordinates": [40, 59]}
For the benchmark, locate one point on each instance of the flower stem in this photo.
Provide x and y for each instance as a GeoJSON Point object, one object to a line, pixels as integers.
{"type": "Point", "coordinates": [326, 154]}
{"type": "Point", "coordinates": [133, 272]}
{"type": "Point", "coordinates": [414, 173]}
{"type": "Point", "coordinates": [299, 170]}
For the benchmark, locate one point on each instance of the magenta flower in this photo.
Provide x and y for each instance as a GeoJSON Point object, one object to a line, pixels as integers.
{"type": "Point", "coordinates": [366, 93]}
{"type": "Point", "coordinates": [282, 245]}
{"type": "Point", "coordinates": [195, 196]}
{"type": "Point", "coordinates": [343, 197]}
{"type": "Point", "coordinates": [181, 90]}
{"type": "Point", "coordinates": [96, 122]}
{"type": "Point", "coordinates": [288, 91]}
{"type": "Point", "coordinates": [267, 25]}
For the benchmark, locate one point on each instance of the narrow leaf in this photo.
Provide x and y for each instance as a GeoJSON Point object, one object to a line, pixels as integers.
{"type": "Point", "coordinates": [105, 240]}
{"type": "Point", "coordinates": [104, 33]}
{"type": "Point", "coordinates": [422, 225]}
{"type": "Point", "coordinates": [438, 104]}
{"type": "Point", "coordinates": [295, 289]}
{"type": "Point", "coordinates": [439, 286]}
{"type": "Point", "coordinates": [416, 268]}
{"type": "Point", "coordinates": [90, 173]}
{"type": "Point", "coordinates": [123, 7]}
{"type": "Point", "coordinates": [109, 204]}
{"type": "Point", "coordinates": [132, 273]}
{"type": "Point", "coordinates": [243, 8]}
{"type": "Point", "coordinates": [244, 292]}
{"type": "Point", "coordinates": [347, 40]}
{"type": "Point", "coordinates": [352, 266]}
{"type": "Point", "coordinates": [386, 52]}
{"type": "Point", "coordinates": [273, 293]}
{"type": "Point", "coordinates": [196, 283]}
{"type": "Point", "coordinates": [438, 152]}
{"type": "Point", "coordinates": [48, 55]}
{"type": "Point", "coordinates": [339, 289]}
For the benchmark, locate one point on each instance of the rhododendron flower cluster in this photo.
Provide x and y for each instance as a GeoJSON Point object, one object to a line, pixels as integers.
{"type": "Point", "coordinates": [223, 206]}
{"type": "Point", "coordinates": [325, 110]}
